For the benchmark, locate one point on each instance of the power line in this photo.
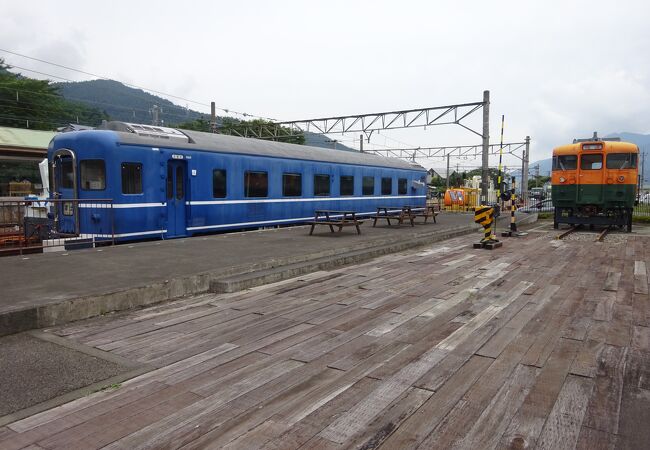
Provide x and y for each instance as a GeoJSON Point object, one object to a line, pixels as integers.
{"type": "Point", "coordinates": [226, 110]}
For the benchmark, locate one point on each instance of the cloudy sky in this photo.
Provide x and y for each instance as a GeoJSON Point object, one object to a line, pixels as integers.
{"type": "Point", "coordinates": [555, 69]}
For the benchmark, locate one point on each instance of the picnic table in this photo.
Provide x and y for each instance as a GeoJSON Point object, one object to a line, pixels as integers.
{"type": "Point", "coordinates": [411, 212]}
{"type": "Point", "coordinates": [387, 213]}
{"type": "Point", "coordinates": [333, 219]}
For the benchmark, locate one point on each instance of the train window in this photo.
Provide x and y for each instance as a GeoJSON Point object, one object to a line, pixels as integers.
{"type": "Point", "coordinates": [180, 182]}
{"type": "Point", "coordinates": [386, 186]}
{"type": "Point", "coordinates": [132, 179]}
{"type": "Point", "coordinates": [368, 186]}
{"type": "Point", "coordinates": [565, 162]}
{"type": "Point", "coordinates": [291, 184]}
{"type": "Point", "coordinates": [591, 161]}
{"type": "Point", "coordinates": [401, 186]}
{"type": "Point", "coordinates": [256, 184]}
{"type": "Point", "coordinates": [347, 185]}
{"type": "Point", "coordinates": [67, 176]}
{"type": "Point", "coordinates": [93, 175]}
{"type": "Point", "coordinates": [621, 161]}
{"type": "Point", "coordinates": [170, 182]}
{"type": "Point", "coordinates": [219, 183]}
{"type": "Point", "coordinates": [322, 185]}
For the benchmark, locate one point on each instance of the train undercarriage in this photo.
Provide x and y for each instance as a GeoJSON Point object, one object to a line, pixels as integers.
{"type": "Point", "coordinates": [592, 215]}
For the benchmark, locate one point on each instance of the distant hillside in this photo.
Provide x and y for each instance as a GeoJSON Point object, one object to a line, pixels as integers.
{"type": "Point", "coordinates": [124, 103]}
{"type": "Point", "coordinates": [128, 104]}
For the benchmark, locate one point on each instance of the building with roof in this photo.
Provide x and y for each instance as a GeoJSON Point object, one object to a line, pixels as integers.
{"type": "Point", "coordinates": [20, 152]}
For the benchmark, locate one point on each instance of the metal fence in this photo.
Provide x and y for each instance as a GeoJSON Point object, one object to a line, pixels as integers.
{"type": "Point", "coordinates": [34, 226]}
{"type": "Point", "coordinates": [532, 203]}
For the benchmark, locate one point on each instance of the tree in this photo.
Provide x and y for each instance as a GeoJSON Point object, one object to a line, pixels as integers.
{"type": "Point", "coordinates": [36, 104]}
{"type": "Point", "coordinates": [537, 181]}
{"type": "Point", "coordinates": [236, 127]}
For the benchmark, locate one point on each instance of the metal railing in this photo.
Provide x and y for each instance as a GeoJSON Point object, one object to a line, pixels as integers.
{"type": "Point", "coordinates": [35, 226]}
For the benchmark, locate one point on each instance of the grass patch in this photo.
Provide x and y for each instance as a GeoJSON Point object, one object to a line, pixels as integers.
{"type": "Point", "coordinates": [545, 215]}
{"type": "Point", "coordinates": [108, 387]}
{"type": "Point", "coordinates": [641, 219]}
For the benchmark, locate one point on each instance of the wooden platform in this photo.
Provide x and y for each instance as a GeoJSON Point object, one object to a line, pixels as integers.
{"type": "Point", "coordinates": [538, 344]}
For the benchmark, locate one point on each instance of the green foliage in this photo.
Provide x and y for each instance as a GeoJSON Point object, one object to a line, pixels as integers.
{"type": "Point", "coordinates": [537, 181]}
{"type": "Point", "coordinates": [199, 124]}
{"type": "Point", "coordinates": [239, 128]}
{"type": "Point", "coordinates": [37, 104]}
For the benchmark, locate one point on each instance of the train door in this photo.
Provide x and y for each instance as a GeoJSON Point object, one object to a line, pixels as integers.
{"type": "Point", "coordinates": [590, 178]}
{"type": "Point", "coordinates": [64, 177]}
{"type": "Point", "coordinates": [176, 197]}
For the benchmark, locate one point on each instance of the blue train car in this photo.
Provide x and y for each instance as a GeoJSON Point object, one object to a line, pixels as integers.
{"type": "Point", "coordinates": [171, 183]}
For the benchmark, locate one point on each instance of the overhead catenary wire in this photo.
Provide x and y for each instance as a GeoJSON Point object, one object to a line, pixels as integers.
{"type": "Point", "coordinates": [226, 110]}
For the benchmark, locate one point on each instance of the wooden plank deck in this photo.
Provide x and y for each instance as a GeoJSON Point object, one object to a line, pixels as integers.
{"type": "Point", "coordinates": [539, 344]}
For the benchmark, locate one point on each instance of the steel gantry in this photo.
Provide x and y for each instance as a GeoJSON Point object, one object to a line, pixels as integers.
{"type": "Point", "coordinates": [392, 120]}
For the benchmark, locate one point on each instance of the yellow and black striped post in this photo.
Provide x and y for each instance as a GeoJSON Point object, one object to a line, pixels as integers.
{"type": "Point", "coordinates": [484, 216]}
{"type": "Point", "coordinates": [513, 208]}
{"type": "Point", "coordinates": [513, 223]}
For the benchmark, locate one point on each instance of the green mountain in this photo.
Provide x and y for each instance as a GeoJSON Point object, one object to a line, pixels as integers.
{"type": "Point", "coordinates": [124, 103]}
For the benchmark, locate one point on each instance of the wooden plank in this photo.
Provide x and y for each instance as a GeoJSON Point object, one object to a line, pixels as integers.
{"type": "Point", "coordinates": [527, 424]}
{"type": "Point", "coordinates": [635, 403]}
{"type": "Point", "coordinates": [416, 427]}
{"type": "Point", "coordinates": [603, 409]}
{"type": "Point", "coordinates": [586, 361]}
{"type": "Point", "coordinates": [505, 335]}
{"type": "Point", "coordinates": [604, 307]}
{"type": "Point", "coordinates": [611, 281]}
{"type": "Point", "coordinates": [492, 423]}
{"type": "Point", "coordinates": [162, 430]}
{"type": "Point", "coordinates": [640, 338]}
{"type": "Point", "coordinates": [377, 431]}
{"type": "Point", "coordinates": [640, 278]}
{"type": "Point", "coordinates": [563, 424]}
{"type": "Point", "coordinates": [301, 431]}
{"type": "Point", "coordinates": [400, 319]}
{"type": "Point", "coordinates": [115, 424]}
{"type": "Point", "coordinates": [590, 439]}
{"type": "Point", "coordinates": [388, 390]}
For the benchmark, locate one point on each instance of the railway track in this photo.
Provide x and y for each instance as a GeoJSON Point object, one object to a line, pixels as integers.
{"type": "Point", "coordinates": [602, 234]}
{"type": "Point", "coordinates": [567, 232]}
{"type": "Point", "coordinates": [599, 238]}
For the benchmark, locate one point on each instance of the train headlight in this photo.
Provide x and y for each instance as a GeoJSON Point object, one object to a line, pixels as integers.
{"type": "Point", "coordinates": [562, 179]}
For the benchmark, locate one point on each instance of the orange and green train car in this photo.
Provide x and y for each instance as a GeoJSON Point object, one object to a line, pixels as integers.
{"type": "Point", "coordinates": [594, 182]}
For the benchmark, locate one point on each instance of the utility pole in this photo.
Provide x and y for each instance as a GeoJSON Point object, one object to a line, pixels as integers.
{"type": "Point", "coordinates": [485, 174]}
{"type": "Point", "coordinates": [524, 170]}
{"type": "Point", "coordinates": [642, 171]}
{"type": "Point", "coordinates": [361, 143]}
{"type": "Point", "coordinates": [155, 113]}
{"type": "Point", "coordinates": [213, 118]}
{"type": "Point", "coordinates": [536, 175]}
{"type": "Point", "coordinates": [448, 157]}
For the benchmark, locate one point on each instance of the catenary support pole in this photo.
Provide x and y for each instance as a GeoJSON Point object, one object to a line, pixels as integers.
{"type": "Point", "coordinates": [485, 175]}
{"type": "Point", "coordinates": [524, 171]}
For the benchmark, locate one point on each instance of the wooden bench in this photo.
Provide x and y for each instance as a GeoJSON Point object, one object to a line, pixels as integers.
{"type": "Point", "coordinates": [386, 213]}
{"type": "Point", "coordinates": [333, 219]}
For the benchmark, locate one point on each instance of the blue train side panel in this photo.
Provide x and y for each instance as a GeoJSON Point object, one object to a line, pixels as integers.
{"type": "Point", "coordinates": [167, 190]}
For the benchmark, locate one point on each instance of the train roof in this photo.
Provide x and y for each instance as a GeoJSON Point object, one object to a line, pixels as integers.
{"type": "Point", "coordinates": [146, 135]}
{"type": "Point", "coordinates": [608, 146]}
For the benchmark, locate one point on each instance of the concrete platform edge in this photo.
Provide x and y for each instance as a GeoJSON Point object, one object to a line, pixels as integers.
{"type": "Point", "coordinates": [70, 310]}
